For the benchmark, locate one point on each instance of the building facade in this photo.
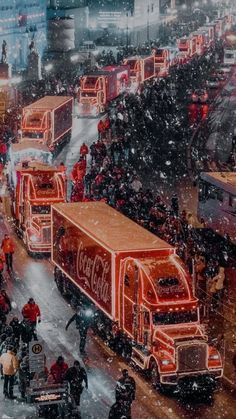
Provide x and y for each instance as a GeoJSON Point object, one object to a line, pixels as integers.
{"type": "Point", "coordinates": [21, 22]}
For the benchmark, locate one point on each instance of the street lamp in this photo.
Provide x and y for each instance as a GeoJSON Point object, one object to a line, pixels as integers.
{"type": "Point", "coordinates": [148, 23]}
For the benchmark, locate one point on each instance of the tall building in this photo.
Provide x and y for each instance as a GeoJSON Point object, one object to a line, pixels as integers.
{"type": "Point", "coordinates": [21, 22]}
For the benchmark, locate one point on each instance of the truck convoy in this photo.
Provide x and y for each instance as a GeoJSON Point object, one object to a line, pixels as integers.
{"type": "Point", "coordinates": [38, 186]}
{"type": "Point", "coordinates": [99, 88]}
{"type": "Point", "coordinates": [45, 124]}
{"type": "Point", "coordinates": [138, 287]}
{"type": "Point", "coordinates": [34, 181]}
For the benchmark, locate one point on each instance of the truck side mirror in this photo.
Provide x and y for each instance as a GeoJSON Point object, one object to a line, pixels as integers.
{"type": "Point", "coordinates": [23, 227]}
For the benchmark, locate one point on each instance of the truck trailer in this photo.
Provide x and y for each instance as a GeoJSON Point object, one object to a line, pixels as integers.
{"type": "Point", "coordinates": [139, 287]}
{"type": "Point", "coordinates": [45, 124]}
{"type": "Point", "coordinates": [100, 87]}
{"type": "Point", "coordinates": [37, 187]}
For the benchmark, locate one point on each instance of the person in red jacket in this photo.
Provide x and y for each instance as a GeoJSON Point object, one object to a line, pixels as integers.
{"type": "Point", "coordinates": [58, 370]}
{"type": "Point", "coordinates": [84, 151]}
{"type": "Point", "coordinates": [31, 312]}
{"type": "Point", "coordinates": [8, 248]}
{"type": "Point", "coordinates": [79, 170]}
{"type": "Point", "coordinates": [101, 129]}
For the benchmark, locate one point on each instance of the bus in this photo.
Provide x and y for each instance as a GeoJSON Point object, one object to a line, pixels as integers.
{"type": "Point", "coordinates": [217, 202]}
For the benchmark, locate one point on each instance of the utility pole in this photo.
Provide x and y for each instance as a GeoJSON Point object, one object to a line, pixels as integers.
{"type": "Point", "coordinates": [148, 22]}
{"type": "Point", "coordinates": [127, 29]}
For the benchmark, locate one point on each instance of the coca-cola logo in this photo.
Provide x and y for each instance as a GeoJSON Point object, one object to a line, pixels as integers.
{"type": "Point", "coordinates": [93, 270]}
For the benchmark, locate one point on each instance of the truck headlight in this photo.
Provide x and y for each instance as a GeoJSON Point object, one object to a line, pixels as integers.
{"type": "Point", "coordinates": [215, 356]}
{"type": "Point", "coordinates": [34, 238]}
{"type": "Point", "coordinates": [166, 362]}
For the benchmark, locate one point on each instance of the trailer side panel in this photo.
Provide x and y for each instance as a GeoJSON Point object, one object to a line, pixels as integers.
{"type": "Point", "coordinates": [83, 260]}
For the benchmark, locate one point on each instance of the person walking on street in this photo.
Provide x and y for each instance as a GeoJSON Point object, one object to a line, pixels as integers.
{"type": "Point", "coordinates": [119, 411]}
{"type": "Point", "coordinates": [83, 319]}
{"type": "Point", "coordinates": [9, 364]}
{"type": "Point", "coordinates": [125, 391]}
{"type": "Point", "coordinates": [84, 151]}
{"type": "Point", "coordinates": [58, 370]}
{"type": "Point", "coordinates": [31, 312]}
{"type": "Point", "coordinates": [77, 379]}
{"type": "Point", "coordinates": [8, 249]}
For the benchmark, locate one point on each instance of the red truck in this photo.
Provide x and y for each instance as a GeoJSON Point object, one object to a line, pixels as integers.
{"type": "Point", "coordinates": [139, 288]}
{"type": "Point", "coordinates": [142, 68]}
{"type": "Point", "coordinates": [37, 187]}
{"type": "Point", "coordinates": [98, 88]}
{"type": "Point", "coordinates": [45, 124]}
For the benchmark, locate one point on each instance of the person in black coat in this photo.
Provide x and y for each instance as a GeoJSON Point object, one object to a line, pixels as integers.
{"type": "Point", "coordinates": [119, 411]}
{"type": "Point", "coordinates": [27, 331]}
{"type": "Point", "coordinates": [125, 392]}
{"type": "Point", "coordinates": [77, 379]}
{"type": "Point", "coordinates": [16, 327]}
{"type": "Point", "coordinates": [83, 319]}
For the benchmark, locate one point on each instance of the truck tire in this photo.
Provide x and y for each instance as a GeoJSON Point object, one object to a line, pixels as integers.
{"type": "Point", "coordinates": [154, 375]}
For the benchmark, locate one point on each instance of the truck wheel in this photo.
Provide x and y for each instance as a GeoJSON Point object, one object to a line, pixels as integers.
{"type": "Point", "coordinates": [154, 375]}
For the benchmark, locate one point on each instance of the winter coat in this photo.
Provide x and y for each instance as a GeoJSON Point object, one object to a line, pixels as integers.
{"type": "Point", "coordinates": [9, 363]}
{"type": "Point", "coordinates": [101, 126]}
{"type": "Point", "coordinates": [119, 411]}
{"type": "Point", "coordinates": [125, 389]}
{"type": "Point", "coordinates": [84, 150]}
{"type": "Point", "coordinates": [8, 245]}
{"type": "Point", "coordinates": [78, 171]}
{"type": "Point", "coordinates": [76, 379]}
{"type": "Point", "coordinates": [27, 332]}
{"type": "Point", "coordinates": [58, 371]}
{"type": "Point", "coordinates": [82, 321]}
{"type": "Point", "coordinates": [31, 312]}
{"type": "Point", "coordinates": [16, 327]}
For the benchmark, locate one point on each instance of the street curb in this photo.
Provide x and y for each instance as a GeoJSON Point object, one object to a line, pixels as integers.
{"type": "Point", "coordinates": [228, 383]}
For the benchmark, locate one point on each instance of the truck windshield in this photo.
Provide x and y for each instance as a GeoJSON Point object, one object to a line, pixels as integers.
{"type": "Point", "coordinates": [175, 317]}
{"type": "Point", "coordinates": [33, 134]}
{"type": "Point", "coordinates": [88, 94]}
{"type": "Point", "coordinates": [41, 209]}
{"type": "Point", "coordinates": [34, 119]}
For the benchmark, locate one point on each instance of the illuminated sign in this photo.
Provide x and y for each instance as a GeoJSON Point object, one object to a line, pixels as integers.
{"type": "Point", "coordinates": [48, 397]}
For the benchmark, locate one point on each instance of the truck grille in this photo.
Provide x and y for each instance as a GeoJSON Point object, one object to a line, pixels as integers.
{"type": "Point", "coordinates": [46, 235]}
{"type": "Point", "coordinates": [192, 357]}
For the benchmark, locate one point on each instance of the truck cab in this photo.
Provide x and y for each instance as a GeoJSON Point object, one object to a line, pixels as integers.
{"type": "Point", "coordinates": [46, 122]}
{"type": "Point", "coordinates": [92, 96]}
{"type": "Point", "coordinates": [38, 186]}
{"type": "Point", "coordinates": [160, 313]}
